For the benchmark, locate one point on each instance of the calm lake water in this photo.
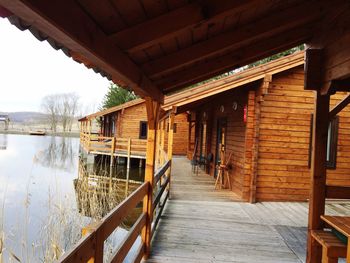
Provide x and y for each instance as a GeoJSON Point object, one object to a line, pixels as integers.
{"type": "Point", "coordinates": [42, 200]}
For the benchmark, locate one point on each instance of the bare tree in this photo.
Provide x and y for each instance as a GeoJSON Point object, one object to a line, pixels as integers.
{"type": "Point", "coordinates": [61, 108]}
{"type": "Point", "coordinates": [68, 108]}
{"type": "Point", "coordinates": [50, 107]}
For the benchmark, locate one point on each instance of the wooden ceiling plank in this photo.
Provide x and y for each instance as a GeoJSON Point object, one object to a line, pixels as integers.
{"type": "Point", "coordinates": [4, 12]}
{"type": "Point", "coordinates": [69, 25]}
{"type": "Point", "coordinates": [168, 25]}
{"type": "Point", "coordinates": [236, 59]}
{"type": "Point", "coordinates": [105, 15]}
{"type": "Point", "coordinates": [264, 28]}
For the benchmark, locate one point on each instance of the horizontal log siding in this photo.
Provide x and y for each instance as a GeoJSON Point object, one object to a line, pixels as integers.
{"type": "Point", "coordinates": [180, 140]}
{"type": "Point", "coordinates": [283, 172]}
{"type": "Point", "coordinates": [235, 138]}
{"type": "Point", "coordinates": [249, 144]}
{"type": "Point", "coordinates": [341, 175]}
{"type": "Point", "coordinates": [130, 121]}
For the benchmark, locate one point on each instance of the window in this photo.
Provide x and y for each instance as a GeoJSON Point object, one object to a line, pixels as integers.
{"type": "Point", "coordinates": [332, 142]}
{"type": "Point", "coordinates": [174, 128]}
{"type": "Point", "coordinates": [143, 130]}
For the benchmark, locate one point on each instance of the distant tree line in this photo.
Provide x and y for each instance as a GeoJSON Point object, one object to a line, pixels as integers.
{"type": "Point", "coordinates": [61, 109]}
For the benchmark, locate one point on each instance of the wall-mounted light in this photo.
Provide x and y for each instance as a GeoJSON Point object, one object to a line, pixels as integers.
{"type": "Point", "coordinates": [235, 105]}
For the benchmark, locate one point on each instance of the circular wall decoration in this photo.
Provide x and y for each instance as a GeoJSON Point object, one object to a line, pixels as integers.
{"type": "Point", "coordinates": [235, 105]}
{"type": "Point", "coordinates": [222, 108]}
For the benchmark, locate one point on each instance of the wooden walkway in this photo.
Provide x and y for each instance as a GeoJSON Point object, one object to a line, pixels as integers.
{"type": "Point", "coordinates": [202, 225]}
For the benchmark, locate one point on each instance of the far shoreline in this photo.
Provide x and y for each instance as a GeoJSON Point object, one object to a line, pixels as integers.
{"type": "Point", "coordinates": [57, 134]}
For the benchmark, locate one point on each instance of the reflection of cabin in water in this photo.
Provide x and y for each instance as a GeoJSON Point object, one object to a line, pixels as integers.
{"type": "Point", "coordinates": [123, 131]}
{"type": "Point", "coordinates": [98, 194]}
{"type": "Point", "coordinates": [6, 120]}
{"type": "Point", "coordinates": [261, 117]}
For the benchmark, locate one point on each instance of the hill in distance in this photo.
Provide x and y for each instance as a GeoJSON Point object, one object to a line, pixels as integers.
{"type": "Point", "coordinates": [26, 116]}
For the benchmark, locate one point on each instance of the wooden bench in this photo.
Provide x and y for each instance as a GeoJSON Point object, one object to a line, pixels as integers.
{"type": "Point", "coordinates": [332, 247]}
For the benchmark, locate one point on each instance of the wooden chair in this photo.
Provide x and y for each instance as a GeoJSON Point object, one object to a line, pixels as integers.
{"type": "Point", "coordinates": [222, 171]}
{"type": "Point", "coordinates": [332, 247]}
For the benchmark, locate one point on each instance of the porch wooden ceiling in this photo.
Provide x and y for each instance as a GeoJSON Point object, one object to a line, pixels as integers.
{"type": "Point", "coordinates": [157, 47]}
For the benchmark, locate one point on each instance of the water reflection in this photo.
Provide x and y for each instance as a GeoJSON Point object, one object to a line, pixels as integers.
{"type": "Point", "coordinates": [59, 154]}
{"type": "Point", "coordinates": [48, 194]}
{"type": "Point", "coordinates": [3, 141]}
{"type": "Point", "coordinates": [99, 188]}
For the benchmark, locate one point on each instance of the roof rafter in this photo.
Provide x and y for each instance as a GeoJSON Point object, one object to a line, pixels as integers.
{"type": "Point", "coordinates": [265, 28]}
{"type": "Point", "coordinates": [146, 34]}
{"type": "Point", "coordinates": [236, 59]}
{"type": "Point", "coordinates": [73, 28]}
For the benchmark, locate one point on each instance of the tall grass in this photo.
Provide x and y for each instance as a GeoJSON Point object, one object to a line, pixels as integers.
{"type": "Point", "coordinates": [97, 191]}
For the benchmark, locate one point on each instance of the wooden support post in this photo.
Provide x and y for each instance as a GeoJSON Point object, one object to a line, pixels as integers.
{"type": "Point", "coordinates": [259, 97]}
{"type": "Point", "coordinates": [189, 137]}
{"type": "Point", "coordinates": [99, 243]}
{"type": "Point", "coordinates": [158, 145]}
{"type": "Point", "coordinates": [170, 144]}
{"type": "Point", "coordinates": [128, 169]}
{"type": "Point", "coordinates": [162, 142]}
{"type": "Point", "coordinates": [152, 115]}
{"type": "Point", "coordinates": [318, 173]}
{"type": "Point", "coordinates": [112, 151]}
{"type": "Point", "coordinates": [129, 154]}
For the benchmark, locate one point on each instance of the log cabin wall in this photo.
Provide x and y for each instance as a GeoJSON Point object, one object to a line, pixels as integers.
{"type": "Point", "coordinates": [127, 125]}
{"type": "Point", "coordinates": [180, 140]}
{"type": "Point", "coordinates": [211, 113]}
{"type": "Point", "coordinates": [130, 119]}
{"type": "Point", "coordinates": [284, 135]}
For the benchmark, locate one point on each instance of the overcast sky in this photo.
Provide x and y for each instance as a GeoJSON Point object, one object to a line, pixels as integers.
{"type": "Point", "coordinates": [30, 69]}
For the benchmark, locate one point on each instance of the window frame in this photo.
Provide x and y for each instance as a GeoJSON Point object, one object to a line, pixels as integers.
{"type": "Point", "coordinates": [143, 136]}
{"type": "Point", "coordinates": [332, 140]}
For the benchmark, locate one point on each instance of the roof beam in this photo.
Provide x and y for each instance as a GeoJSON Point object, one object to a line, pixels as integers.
{"type": "Point", "coordinates": [339, 107]}
{"type": "Point", "coordinates": [234, 60]}
{"type": "Point", "coordinates": [69, 25]}
{"type": "Point", "coordinates": [257, 30]}
{"type": "Point", "coordinates": [4, 12]}
{"type": "Point", "coordinates": [166, 26]}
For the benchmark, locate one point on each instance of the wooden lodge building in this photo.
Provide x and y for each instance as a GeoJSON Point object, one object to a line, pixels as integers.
{"type": "Point", "coordinates": [262, 116]}
{"type": "Point", "coordinates": [126, 124]}
{"type": "Point", "coordinates": [158, 49]}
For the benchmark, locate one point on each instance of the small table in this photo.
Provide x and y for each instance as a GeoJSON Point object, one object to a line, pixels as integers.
{"type": "Point", "coordinates": [341, 224]}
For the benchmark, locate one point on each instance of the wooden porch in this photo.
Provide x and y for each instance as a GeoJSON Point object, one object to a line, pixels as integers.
{"type": "Point", "coordinates": [112, 146]}
{"type": "Point", "coordinates": [200, 224]}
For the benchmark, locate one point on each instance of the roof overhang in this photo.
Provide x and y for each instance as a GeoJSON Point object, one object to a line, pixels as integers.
{"type": "Point", "coordinates": [157, 49]}
{"type": "Point", "coordinates": [234, 81]}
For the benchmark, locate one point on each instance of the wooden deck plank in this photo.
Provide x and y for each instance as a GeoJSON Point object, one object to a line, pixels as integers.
{"type": "Point", "coordinates": [200, 224]}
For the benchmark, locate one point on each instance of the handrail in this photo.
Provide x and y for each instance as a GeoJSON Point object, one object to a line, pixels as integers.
{"type": "Point", "coordinates": [113, 145]}
{"type": "Point", "coordinates": [163, 181]}
{"type": "Point", "coordinates": [161, 171]}
{"type": "Point", "coordinates": [92, 244]}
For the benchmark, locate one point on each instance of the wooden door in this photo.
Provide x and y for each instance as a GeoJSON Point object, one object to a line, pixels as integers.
{"type": "Point", "coordinates": [220, 141]}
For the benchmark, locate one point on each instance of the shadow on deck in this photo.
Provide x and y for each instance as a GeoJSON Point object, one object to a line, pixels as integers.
{"type": "Point", "coordinates": [200, 224]}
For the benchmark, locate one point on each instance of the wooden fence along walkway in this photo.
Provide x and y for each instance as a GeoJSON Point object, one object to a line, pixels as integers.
{"type": "Point", "coordinates": [90, 248]}
{"type": "Point", "coordinates": [123, 147]}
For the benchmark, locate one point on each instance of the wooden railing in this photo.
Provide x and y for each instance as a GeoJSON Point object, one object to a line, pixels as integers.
{"type": "Point", "coordinates": [126, 147]}
{"type": "Point", "coordinates": [90, 247]}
